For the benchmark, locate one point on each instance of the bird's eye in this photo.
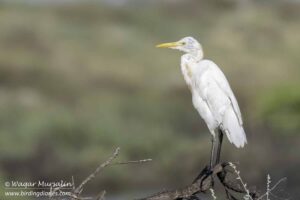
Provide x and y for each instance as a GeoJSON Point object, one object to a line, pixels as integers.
{"type": "Point", "coordinates": [183, 43]}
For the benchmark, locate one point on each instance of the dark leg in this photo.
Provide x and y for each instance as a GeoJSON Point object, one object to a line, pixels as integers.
{"type": "Point", "coordinates": [212, 152]}
{"type": "Point", "coordinates": [220, 140]}
{"type": "Point", "coordinates": [215, 155]}
{"type": "Point", "coordinates": [216, 148]}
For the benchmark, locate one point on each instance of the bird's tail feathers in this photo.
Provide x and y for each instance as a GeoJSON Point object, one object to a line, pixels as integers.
{"type": "Point", "coordinates": [234, 131]}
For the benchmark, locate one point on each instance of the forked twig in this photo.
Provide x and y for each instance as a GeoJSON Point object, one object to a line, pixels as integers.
{"type": "Point", "coordinates": [75, 194]}
{"type": "Point", "coordinates": [79, 189]}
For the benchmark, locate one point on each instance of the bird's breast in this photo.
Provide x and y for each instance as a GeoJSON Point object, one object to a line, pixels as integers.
{"type": "Point", "coordinates": [188, 70]}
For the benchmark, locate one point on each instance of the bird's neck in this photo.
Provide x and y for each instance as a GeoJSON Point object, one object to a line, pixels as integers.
{"type": "Point", "coordinates": [189, 62]}
{"type": "Point", "coordinates": [197, 55]}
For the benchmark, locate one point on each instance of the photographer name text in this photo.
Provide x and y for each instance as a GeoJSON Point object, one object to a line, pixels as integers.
{"type": "Point", "coordinates": [38, 184]}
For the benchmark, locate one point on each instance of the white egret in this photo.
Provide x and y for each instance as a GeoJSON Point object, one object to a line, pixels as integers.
{"type": "Point", "coordinates": [211, 95]}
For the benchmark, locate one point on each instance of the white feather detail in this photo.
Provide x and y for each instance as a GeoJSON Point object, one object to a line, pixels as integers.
{"type": "Point", "coordinates": [233, 129]}
{"type": "Point", "coordinates": [214, 99]}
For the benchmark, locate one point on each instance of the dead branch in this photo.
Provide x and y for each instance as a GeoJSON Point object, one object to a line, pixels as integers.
{"type": "Point", "coordinates": [226, 173]}
{"type": "Point", "coordinates": [203, 183]}
{"type": "Point", "coordinates": [79, 189]}
{"type": "Point", "coordinates": [75, 194]}
{"type": "Point", "coordinates": [101, 195]}
{"type": "Point", "coordinates": [132, 162]}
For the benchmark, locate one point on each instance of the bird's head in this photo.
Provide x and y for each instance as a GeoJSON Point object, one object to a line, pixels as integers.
{"type": "Point", "coordinates": [186, 44]}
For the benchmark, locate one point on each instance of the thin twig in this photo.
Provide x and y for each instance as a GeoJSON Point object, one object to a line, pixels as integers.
{"type": "Point", "coordinates": [281, 180]}
{"type": "Point", "coordinates": [79, 189]}
{"type": "Point", "coordinates": [132, 162]}
{"type": "Point", "coordinates": [241, 181]}
{"type": "Point", "coordinates": [73, 183]}
{"type": "Point", "coordinates": [101, 195]}
{"type": "Point", "coordinates": [75, 194]}
{"type": "Point", "coordinates": [213, 193]}
{"type": "Point", "coordinates": [277, 197]}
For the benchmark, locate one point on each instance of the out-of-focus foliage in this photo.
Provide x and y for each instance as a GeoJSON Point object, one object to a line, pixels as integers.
{"type": "Point", "coordinates": [78, 80]}
{"type": "Point", "coordinates": [281, 109]}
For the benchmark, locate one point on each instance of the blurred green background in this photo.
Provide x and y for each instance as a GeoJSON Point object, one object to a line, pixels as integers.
{"type": "Point", "coordinates": [80, 78]}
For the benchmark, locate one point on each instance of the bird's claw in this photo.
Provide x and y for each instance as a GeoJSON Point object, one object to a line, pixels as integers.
{"type": "Point", "coordinates": [204, 174]}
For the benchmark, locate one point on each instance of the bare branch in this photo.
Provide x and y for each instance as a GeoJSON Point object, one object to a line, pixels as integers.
{"type": "Point", "coordinates": [79, 189]}
{"type": "Point", "coordinates": [271, 189]}
{"type": "Point", "coordinates": [75, 194]}
{"type": "Point", "coordinates": [101, 196]}
{"type": "Point", "coordinates": [201, 184]}
{"type": "Point", "coordinates": [132, 162]}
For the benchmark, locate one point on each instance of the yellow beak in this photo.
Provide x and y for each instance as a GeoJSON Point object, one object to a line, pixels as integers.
{"type": "Point", "coordinates": [169, 45]}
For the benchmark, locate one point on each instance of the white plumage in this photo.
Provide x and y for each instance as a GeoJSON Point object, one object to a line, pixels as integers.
{"type": "Point", "coordinates": [211, 93]}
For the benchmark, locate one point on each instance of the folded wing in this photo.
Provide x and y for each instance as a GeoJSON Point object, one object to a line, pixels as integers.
{"type": "Point", "coordinates": [215, 90]}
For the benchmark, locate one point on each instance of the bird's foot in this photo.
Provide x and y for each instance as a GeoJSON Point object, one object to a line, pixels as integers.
{"type": "Point", "coordinates": [206, 172]}
{"type": "Point", "coordinates": [205, 178]}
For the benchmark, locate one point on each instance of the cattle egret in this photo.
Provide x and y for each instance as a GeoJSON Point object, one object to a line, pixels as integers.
{"type": "Point", "coordinates": [211, 96]}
